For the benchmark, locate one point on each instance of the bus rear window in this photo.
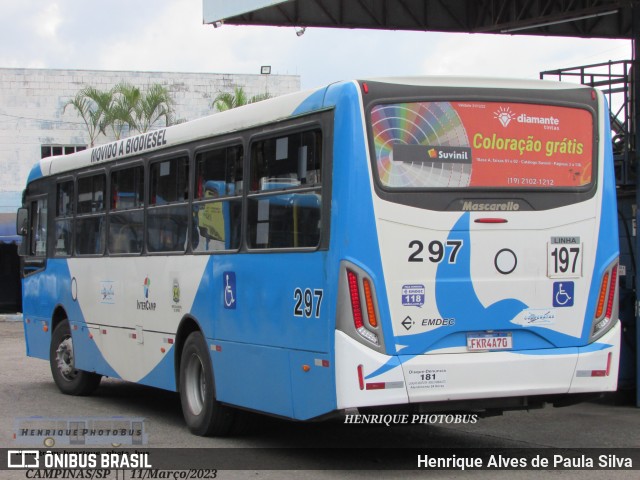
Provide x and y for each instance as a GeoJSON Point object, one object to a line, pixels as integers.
{"type": "Point", "coordinates": [482, 144]}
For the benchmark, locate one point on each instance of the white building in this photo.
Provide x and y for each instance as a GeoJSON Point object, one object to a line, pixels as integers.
{"type": "Point", "coordinates": [34, 123]}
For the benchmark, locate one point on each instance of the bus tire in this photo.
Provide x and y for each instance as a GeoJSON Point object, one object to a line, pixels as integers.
{"type": "Point", "coordinates": [204, 415]}
{"type": "Point", "coordinates": [68, 379]}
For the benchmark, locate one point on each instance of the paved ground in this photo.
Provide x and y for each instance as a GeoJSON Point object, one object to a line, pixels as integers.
{"type": "Point", "coordinates": [27, 390]}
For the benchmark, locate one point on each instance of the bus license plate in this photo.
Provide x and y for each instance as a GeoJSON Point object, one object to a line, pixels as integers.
{"type": "Point", "coordinates": [482, 342]}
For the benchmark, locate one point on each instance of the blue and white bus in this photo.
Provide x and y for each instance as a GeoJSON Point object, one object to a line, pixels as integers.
{"type": "Point", "coordinates": [431, 244]}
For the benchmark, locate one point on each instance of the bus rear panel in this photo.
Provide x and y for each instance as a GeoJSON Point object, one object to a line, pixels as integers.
{"type": "Point", "coordinates": [496, 227]}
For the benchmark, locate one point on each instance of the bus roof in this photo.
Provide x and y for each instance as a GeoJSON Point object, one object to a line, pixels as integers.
{"type": "Point", "coordinates": [477, 82]}
{"type": "Point", "coordinates": [266, 111]}
{"type": "Point", "coordinates": [260, 113]}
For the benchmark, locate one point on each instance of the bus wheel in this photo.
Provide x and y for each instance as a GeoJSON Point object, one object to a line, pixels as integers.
{"type": "Point", "coordinates": [204, 415]}
{"type": "Point", "coordinates": [69, 380]}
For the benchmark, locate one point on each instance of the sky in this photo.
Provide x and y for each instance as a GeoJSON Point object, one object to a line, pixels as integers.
{"type": "Point", "coordinates": [169, 36]}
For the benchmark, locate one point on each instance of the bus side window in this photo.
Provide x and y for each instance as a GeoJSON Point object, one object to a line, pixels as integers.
{"type": "Point", "coordinates": [167, 216]}
{"type": "Point", "coordinates": [38, 228]}
{"type": "Point", "coordinates": [217, 209]}
{"type": "Point", "coordinates": [289, 169]}
{"type": "Point", "coordinates": [65, 200]}
{"type": "Point", "coordinates": [126, 218]}
{"type": "Point", "coordinates": [90, 221]}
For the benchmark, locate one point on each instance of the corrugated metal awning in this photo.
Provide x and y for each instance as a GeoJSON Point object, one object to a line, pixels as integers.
{"type": "Point", "coordinates": [218, 10]}
{"type": "Point", "coordinates": [578, 18]}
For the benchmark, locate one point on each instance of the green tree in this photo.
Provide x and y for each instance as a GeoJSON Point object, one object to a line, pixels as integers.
{"type": "Point", "coordinates": [123, 106]}
{"type": "Point", "coordinates": [154, 105]}
{"type": "Point", "coordinates": [92, 105]}
{"type": "Point", "coordinates": [123, 109]}
{"type": "Point", "coordinates": [226, 100]}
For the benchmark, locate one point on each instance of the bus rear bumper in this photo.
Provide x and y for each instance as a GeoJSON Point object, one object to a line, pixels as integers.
{"type": "Point", "coordinates": [367, 378]}
{"type": "Point", "coordinates": [598, 364]}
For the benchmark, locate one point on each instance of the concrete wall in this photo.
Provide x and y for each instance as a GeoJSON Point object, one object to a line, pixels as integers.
{"type": "Point", "coordinates": [32, 103]}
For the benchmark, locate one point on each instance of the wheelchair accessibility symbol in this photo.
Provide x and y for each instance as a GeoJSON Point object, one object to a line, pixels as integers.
{"type": "Point", "coordinates": [563, 294]}
{"type": "Point", "coordinates": [229, 279]}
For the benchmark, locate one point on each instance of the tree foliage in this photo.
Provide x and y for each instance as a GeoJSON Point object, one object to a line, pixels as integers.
{"type": "Point", "coordinates": [123, 108]}
{"type": "Point", "coordinates": [227, 100]}
{"type": "Point", "coordinates": [126, 109]}
{"type": "Point", "coordinates": [122, 113]}
{"type": "Point", "coordinates": [154, 106]}
{"type": "Point", "coordinates": [92, 105]}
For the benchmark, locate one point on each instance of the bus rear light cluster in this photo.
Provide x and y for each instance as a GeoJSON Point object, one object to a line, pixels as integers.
{"type": "Point", "coordinates": [607, 298]}
{"type": "Point", "coordinates": [356, 292]}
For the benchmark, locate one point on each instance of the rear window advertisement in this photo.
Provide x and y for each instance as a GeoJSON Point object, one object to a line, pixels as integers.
{"type": "Point", "coordinates": [482, 144]}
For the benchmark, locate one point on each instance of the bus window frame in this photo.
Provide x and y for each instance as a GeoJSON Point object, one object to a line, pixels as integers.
{"type": "Point", "coordinates": [322, 121]}
{"type": "Point", "coordinates": [218, 144]}
{"type": "Point", "coordinates": [81, 216]}
{"type": "Point", "coordinates": [111, 211]}
{"type": "Point", "coordinates": [35, 263]}
{"type": "Point", "coordinates": [64, 218]}
{"type": "Point", "coordinates": [181, 151]}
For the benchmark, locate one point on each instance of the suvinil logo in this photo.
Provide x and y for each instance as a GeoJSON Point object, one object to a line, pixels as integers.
{"type": "Point", "coordinates": [447, 154]}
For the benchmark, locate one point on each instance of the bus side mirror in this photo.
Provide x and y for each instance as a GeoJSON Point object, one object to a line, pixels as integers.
{"type": "Point", "coordinates": [22, 222]}
{"type": "Point", "coordinates": [22, 229]}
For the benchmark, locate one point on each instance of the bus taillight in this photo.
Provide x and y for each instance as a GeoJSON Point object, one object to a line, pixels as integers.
{"type": "Point", "coordinates": [606, 309]}
{"type": "Point", "coordinates": [368, 297]}
{"type": "Point", "coordinates": [602, 295]}
{"type": "Point", "coordinates": [356, 307]}
{"type": "Point", "coordinates": [612, 291]}
{"type": "Point", "coordinates": [354, 294]}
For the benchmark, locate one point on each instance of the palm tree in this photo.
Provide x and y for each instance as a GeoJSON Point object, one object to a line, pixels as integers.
{"type": "Point", "coordinates": [154, 105]}
{"type": "Point", "coordinates": [92, 105]}
{"type": "Point", "coordinates": [227, 101]}
{"type": "Point", "coordinates": [123, 109]}
{"type": "Point", "coordinates": [260, 97]}
{"type": "Point", "coordinates": [122, 106]}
